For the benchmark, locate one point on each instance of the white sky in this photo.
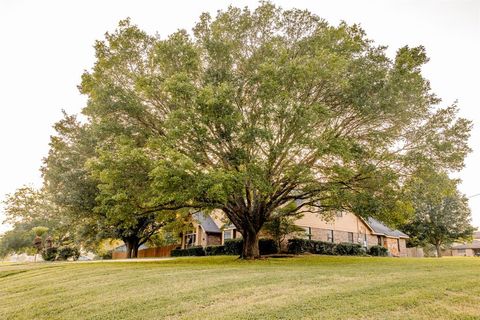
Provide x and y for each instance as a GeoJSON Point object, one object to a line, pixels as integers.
{"type": "Point", "coordinates": [46, 45]}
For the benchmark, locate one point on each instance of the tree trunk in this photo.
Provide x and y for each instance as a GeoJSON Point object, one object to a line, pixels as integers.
{"type": "Point", "coordinates": [129, 249]}
{"type": "Point", "coordinates": [250, 245]}
{"type": "Point", "coordinates": [132, 247]}
{"type": "Point", "coordinates": [135, 251]}
{"type": "Point", "coordinates": [439, 250]}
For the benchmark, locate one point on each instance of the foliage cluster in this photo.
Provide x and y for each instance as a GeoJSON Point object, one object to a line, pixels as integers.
{"type": "Point", "coordinates": [50, 254]}
{"type": "Point", "coordinates": [61, 253]}
{"type": "Point", "coordinates": [68, 251]}
{"type": "Point", "coordinates": [105, 255]}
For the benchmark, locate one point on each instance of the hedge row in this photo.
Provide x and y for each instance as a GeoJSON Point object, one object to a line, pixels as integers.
{"type": "Point", "coordinates": [193, 251]}
{"type": "Point", "coordinates": [231, 247]}
{"type": "Point", "coordinates": [298, 246]}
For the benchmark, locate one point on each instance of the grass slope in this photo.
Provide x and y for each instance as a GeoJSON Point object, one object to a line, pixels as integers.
{"type": "Point", "coordinates": [312, 287]}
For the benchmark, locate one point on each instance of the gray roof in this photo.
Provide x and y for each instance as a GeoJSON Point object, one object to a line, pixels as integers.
{"type": "Point", "coordinates": [475, 244]}
{"type": "Point", "coordinates": [206, 222]}
{"type": "Point", "coordinates": [382, 229]}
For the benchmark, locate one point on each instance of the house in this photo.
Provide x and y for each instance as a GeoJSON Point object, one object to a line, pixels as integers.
{"type": "Point", "coordinates": [468, 249]}
{"type": "Point", "coordinates": [348, 227]}
{"type": "Point", "coordinates": [211, 229]}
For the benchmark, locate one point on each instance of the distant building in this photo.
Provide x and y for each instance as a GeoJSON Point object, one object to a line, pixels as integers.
{"type": "Point", "coordinates": [468, 249]}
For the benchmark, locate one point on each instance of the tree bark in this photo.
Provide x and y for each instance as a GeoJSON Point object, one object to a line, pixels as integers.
{"type": "Point", "coordinates": [250, 245]}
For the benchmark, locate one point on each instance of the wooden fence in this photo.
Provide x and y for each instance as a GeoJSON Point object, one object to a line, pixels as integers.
{"type": "Point", "coordinates": [415, 252]}
{"type": "Point", "coordinates": [157, 252]}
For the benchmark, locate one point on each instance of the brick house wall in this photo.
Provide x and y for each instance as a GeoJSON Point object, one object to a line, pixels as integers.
{"type": "Point", "coordinates": [342, 236]}
{"type": "Point", "coordinates": [397, 247]}
{"type": "Point", "coordinates": [214, 239]}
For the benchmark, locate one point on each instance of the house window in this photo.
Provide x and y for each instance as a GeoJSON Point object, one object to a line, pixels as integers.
{"type": "Point", "coordinates": [350, 237]}
{"type": "Point", "coordinates": [398, 245]}
{"type": "Point", "coordinates": [308, 232]}
{"type": "Point", "coordinates": [461, 251]}
{"type": "Point", "coordinates": [330, 235]}
{"type": "Point", "coordinates": [190, 240]}
{"type": "Point", "coordinates": [227, 234]}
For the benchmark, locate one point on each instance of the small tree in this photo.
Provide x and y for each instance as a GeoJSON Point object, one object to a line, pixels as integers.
{"type": "Point", "coordinates": [442, 215]}
{"type": "Point", "coordinates": [32, 214]}
{"type": "Point", "coordinates": [281, 227]}
{"type": "Point", "coordinates": [38, 241]}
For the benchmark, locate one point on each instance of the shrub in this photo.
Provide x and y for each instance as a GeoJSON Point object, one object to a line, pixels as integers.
{"type": "Point", "coordinates": [378, 251]}
{"type": "Point", "coordinates": [66, 252]}
{"type": "Point", "coordinates": [49, 254]}
{"type": "Point", "coordinates": [267, 246]}
{"type": "Point", "coordinates": [322, 247]}
{"type": "Point", "coordinates": [233, 247]}
{"type": "Point", "coordinates": [193, 251]}
{"type": "Point", "coordinates": [298, 246]}
{"type": "Point", "coordinates": [349, 249]}
{"type": "Point", "coordinates": [214, 250]}
{"type": "Point", "coordinates": [104, 255]}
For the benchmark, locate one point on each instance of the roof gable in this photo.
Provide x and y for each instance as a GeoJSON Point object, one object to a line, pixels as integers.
{"type": "Point", "coordinates": [380, 228]}
{"type": "Point", "coordinates": [206, 222]}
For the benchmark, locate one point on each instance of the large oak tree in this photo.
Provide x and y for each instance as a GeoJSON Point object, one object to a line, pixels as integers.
{"type": "Point", "coordinates": [258, 109]}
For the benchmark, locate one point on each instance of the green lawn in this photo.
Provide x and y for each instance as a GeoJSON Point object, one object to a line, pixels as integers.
{"type": "Point", "coordinates": [312, 287]}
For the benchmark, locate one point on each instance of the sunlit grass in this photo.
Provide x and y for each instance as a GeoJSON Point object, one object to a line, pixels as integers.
{"type": "Point", "coordinates": [310, 287]}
